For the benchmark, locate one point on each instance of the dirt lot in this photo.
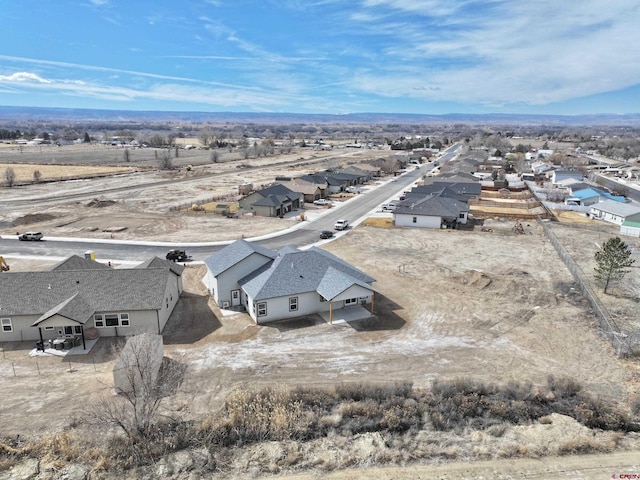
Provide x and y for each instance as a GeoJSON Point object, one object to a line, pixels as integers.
{"type": "Point", "coordinates": [490, 306]}
{"type": "Point", "coordinates": [149, 212]}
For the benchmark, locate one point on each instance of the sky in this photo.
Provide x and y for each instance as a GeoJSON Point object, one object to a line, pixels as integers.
{"type": "Point", "coordinates": [563, 57]}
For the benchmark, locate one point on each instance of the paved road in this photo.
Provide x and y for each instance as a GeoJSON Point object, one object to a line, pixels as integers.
{"type": "Point", "coordinates": [307, 233]}
{"type": "Point", "coordinates": [632, 193]}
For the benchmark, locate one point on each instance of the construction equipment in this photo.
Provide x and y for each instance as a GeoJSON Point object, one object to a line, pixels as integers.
{"type": "Point", "coordinates": [4, 266]}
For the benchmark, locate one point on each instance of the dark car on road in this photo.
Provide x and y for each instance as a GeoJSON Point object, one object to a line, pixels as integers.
{"type": "Point", "coordinates": [177, 255]}
{"type": "Point", "coordinates": [326, 234]}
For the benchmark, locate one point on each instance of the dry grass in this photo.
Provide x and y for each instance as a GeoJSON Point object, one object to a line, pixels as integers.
{"type": "Point", "coordinates": [350, 425]}
{"type": "Point", "coordinates": [24, 173]}
{"type": "Point", "coordinates": [380, 222]}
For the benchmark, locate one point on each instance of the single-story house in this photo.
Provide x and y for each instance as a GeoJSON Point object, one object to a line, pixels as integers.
{"type": "Point", "coordinates": [285, 284]}
{"type": "Point", "coordinates": [336, 183]}
{"type": "Point", "coordinates": [226, 267]}
{"type": "Point", "coordinates": [631, 226]}
{"type": "Point", "coordinates": [590, 196]}
{"type": "Point", "coordinates": [310, 191]}
{"type": "Point", "coordinates": [79, 294]}
{"type": "Point", "coordinates": [430, 212]}
{"type": "Point", "coordinates": [466, 189]}
{"type": "Point", "coordinates": [613, 212]}
{"type": "Point", "coordinates": [557, 176]}
{"type": "Point", "coordinates": [273, 201]}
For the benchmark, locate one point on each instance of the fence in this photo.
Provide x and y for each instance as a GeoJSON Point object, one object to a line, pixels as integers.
{"type": "Point", "coordinates": [514, 203]}
{"type": "Point", "coordinates": [608, 326]}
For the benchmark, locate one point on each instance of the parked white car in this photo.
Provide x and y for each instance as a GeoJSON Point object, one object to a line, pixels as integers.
{"type": "Point", "coordinates": [322, 201]}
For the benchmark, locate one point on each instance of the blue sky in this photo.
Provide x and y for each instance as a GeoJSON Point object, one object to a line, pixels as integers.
{"type": "Point", "coordinates": [323, 56]}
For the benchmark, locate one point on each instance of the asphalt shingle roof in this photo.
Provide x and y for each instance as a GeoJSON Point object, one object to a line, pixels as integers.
{"type": "Point", "coordinates": [432, 206]}
{"type": "Point", "coordinates": [74, 308]}
{"type": "Point", "coordinates": [234, 253]}
{"type": "Point", "coordinates": [294, 272]}
{"type": "Point", "coordinates": [157, 262]}
{"type": "Point", "coordinates": [76, 262]}
{"type": "Point", "coordinates": [31, 293]}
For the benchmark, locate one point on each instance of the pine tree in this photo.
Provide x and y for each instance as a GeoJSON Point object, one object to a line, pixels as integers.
{"type": "Point", "coordinates": [612, 260]}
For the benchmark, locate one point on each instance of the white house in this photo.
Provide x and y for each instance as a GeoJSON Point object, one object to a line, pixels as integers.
{"type": "Point", "coordinates": [631, 226]}
{"type": "Point", "coordinates": [430, 212]}
{"type": "Point", "coordinates": [286, 284]}
{"type": "Point", "coordinates": [78, 294]}
{"type": "Point", "coordinates": [613, 212]}
{"type": "Point", "coordinates": [226, 267]}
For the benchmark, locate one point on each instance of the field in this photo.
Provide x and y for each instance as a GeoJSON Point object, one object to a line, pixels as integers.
{"type": "Point", "coordinates": [492, 307]}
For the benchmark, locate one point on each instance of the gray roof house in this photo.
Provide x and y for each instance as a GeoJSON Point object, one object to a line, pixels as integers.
{"type": "Point", "coordinates": [431, 211]}
{"type": "Point", "coordinates": [613, 212]}
{"type": "Point", "coordinates": [78, 294]}
{"type": "Point", "coordinates": [226, 267]}
{"type": "Point", "coordinates": [273, 201]}
{"type": "Point", "coordinates": [286, 284]}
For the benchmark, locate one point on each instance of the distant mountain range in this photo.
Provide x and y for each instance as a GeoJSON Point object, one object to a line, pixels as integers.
{"type": "Point", "coordinates": [44, 114]}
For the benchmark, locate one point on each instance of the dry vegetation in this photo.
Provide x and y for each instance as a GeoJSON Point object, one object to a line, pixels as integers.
{"type": "Point", "coordinates": [392, 424]}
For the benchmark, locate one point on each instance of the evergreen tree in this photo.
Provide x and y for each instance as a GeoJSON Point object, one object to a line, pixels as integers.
{"type": "Point", "coordinates": [612, 260]}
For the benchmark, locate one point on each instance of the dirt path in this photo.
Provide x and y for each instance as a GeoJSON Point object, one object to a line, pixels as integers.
{"type": "Point", "coordinates": [618, 465]}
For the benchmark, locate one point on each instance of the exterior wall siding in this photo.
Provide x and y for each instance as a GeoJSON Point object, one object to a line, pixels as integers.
{"type": "Point", "coordinates": [422, 221]}
{"type": "Point", "coordinates": [228, 280]}
{"type": "Point", "coordinates": [308, 304]}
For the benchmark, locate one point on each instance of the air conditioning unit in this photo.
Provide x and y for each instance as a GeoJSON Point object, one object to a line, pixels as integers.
{"type": "Point", "coordinates": [225, 304]}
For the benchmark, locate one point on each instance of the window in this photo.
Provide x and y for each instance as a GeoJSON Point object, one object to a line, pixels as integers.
{"type": "Point", "coordinates": [102, 320]}
{"type": "Point", "coordinates": [350, 301]}
{"type": "Point", "coordinates": [77, 329]}
{"type": "Point", "coordinates": [462, 215]}
{"type": "Point", "coordinates": [68, 330]}
{"type": "Point", "coordinates": [111, 319]}
{"type": "Point", "coordinates": [415, 219]}
{"type": "Point", "coordinates": [6, 325]}
{"type": "Point", "coordinates": [262, 309]}
{"type": "Point", "coordinates": [49, 328]}
{"type": "Point", "coordinates": [293, 304]}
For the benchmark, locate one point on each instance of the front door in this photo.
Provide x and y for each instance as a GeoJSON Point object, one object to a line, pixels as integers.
{"type": "Point", "coordinates": [235, 298]}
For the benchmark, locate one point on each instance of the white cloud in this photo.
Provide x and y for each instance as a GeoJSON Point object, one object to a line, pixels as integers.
{"type": "Point", "coordinates": [532, 52]}
{"type": "Point", "coordinates": [23, 77]}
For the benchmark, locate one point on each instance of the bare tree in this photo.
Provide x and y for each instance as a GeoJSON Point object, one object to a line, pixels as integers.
{"type": "Point", "coordinates": [206, 137]}
{"type": "Point", "coordinates": [165, 160]}
{"type": "Point", "coordinates": [126, 155]}
{"type": "Point", "coordinates": [215, 157]}
{"type": "Point", "coordinates": [37, 176]}
{"type": "Point", "coordinates": [10, 176]}
{"type": "Point", "coordinates": [142, 379]}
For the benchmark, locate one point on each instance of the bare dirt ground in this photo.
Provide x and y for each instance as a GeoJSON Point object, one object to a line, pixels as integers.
{"type": "Point", "coordinates": [147, 213]}
{"type": "Point", "coordinates": [489, 306]}
{"type": "Point", "coordinates": [493, 307]}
